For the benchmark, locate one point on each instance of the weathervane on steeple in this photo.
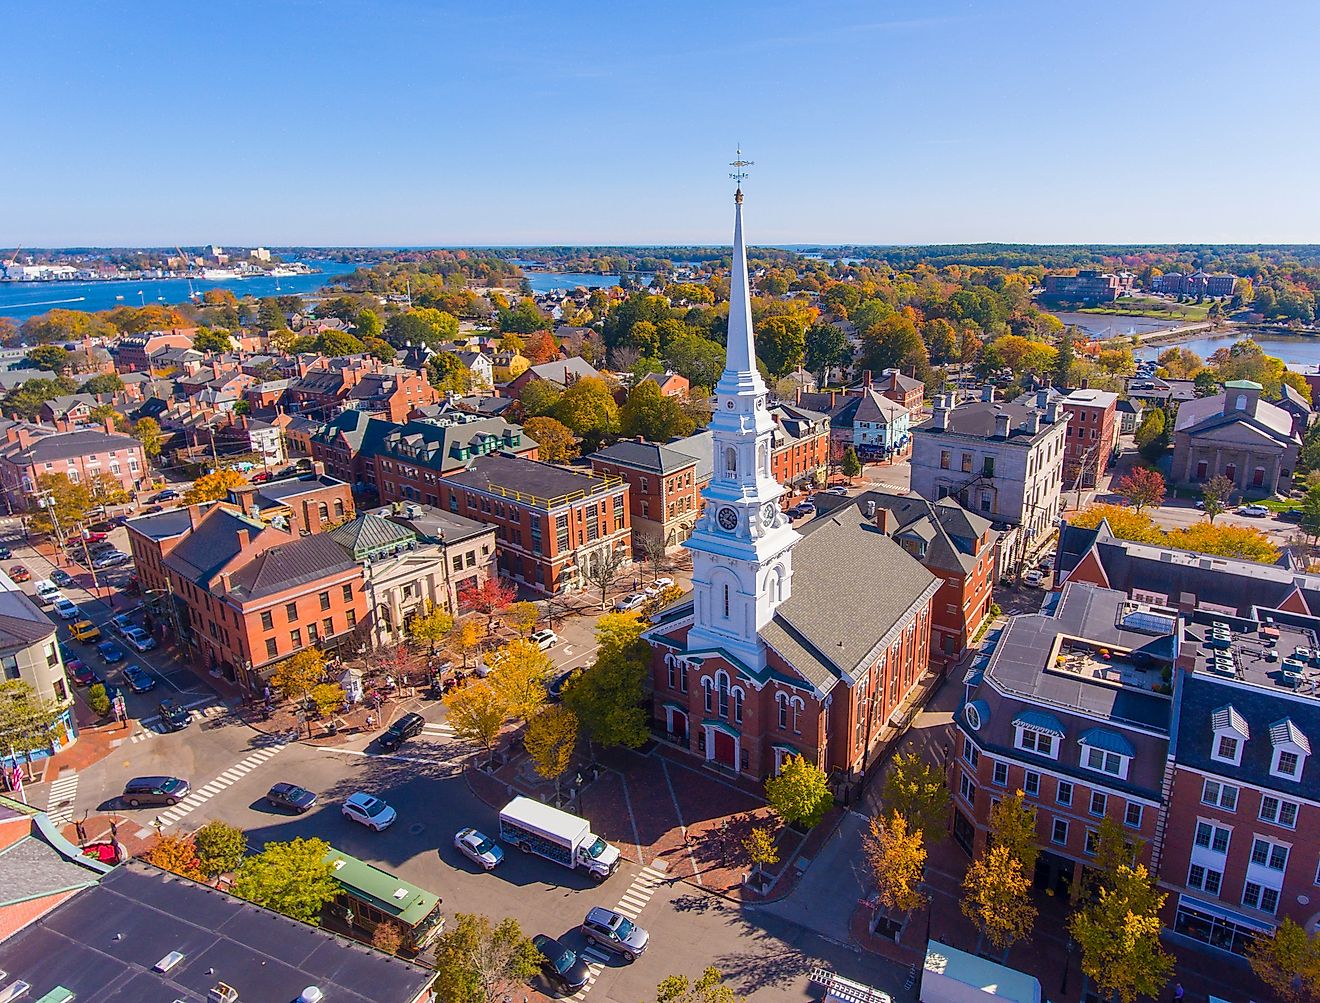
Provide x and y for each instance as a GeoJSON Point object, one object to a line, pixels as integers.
{"type": "Point", "coordinates": [739, 174]}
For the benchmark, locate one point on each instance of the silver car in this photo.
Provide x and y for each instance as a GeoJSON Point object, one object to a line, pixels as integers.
{"type": "Point", "coordinates": [615, 932]}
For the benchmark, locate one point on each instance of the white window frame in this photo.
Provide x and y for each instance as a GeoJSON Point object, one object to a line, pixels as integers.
{"type": "Point", "coordinates": [996, 770]}
{"type": "Point", "coordinates": [1104, 804]}
{"type": "Point", "coordinates": [1279, 750]}
{"type": "Point", "coordinates": [1240, 740]}
{"type": "Point", "coordinates": [1054, 832]}
{"type": "Point", "coordinates": [1127, 815]}
{"type": "Point", "coordinates": [1217, 799]}
{"type": "Point", "coordinates": [1206, 871]}
{"type": "Point", "coordinates": [1072, 789]}
{"type": "Point", "coordinates": [1281, 806]}
{"type": "Point", "coordinates": [1019, 741]}
{"type": "Point", "coordinates": [1119, 762]}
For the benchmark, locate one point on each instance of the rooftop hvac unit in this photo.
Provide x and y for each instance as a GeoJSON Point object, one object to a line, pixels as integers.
{"type": "Point", "coordinates": [222, 993]}
{"type": "Point", "coordinates": [312, 994]}
{"type": "Point", "coordinates": [169, 961]}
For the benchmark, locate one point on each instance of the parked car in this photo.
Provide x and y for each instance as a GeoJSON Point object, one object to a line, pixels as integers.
{"type": "Point", "coordinates": [85, 631]}
{"type": "Point", "coordinates": [1255, 511]}
{"type": "Point", "coordinates": [5, 553]}
{"type": "Point", "coordinates": [839, 490]}
{"type": "Point", "coordinates": [478, 848]}
{"type": "Point", "coordinates": [61, 578]}
{"type": "Point", "coordinates": [110, 560]}
{"type": "Point", "coordinates": [291, 796]}
{"type": "Point", "coordinates": [94, 537]}
{"type": "Point", "coordinates": [19, 573]}
{"type": "Point", "coordinates": [808, 507]}
{"type": "Point", "coordinates": [544, 639]}
{"type": "Point", "coordinates": [110, 652]}
{"type": "Point", "coordinates": [139, 679]}
{"type": "Point", "coordinates": [408, 726]}
{"type": "Point", "coordinates": [104, 547]}
{"type": "Point", "coordinates": [82, 674]}
{"type": "Point", "coordinates": [555, 691]}
{"type": "Point", "coordinates": [1033, 578]}
{"type": "Point", "coordinates": [121, 623]}
{"type": "Point", "coordinates": [47, 589]}
{"type": "Point", "coordinates": [143, 791]}
{"type": "Point", "coordinates": [172, 716]}
{"type": "Point", "coordinates": [139, 639]}
{"type": "Point", "coordinates": [663, 583]}
{"type": "Point", "coordinates": [66, 609]}
{"type": "Point", "coordinates": [561, 964]}
{"type": "Point", "coordinates": [615, 932]}
{"type": "Point", "coordinates": [370, 811]}
{"type": "Point", "coordinates": [631, 601]}
{"type": "Point", "coordinates": [169, 494]}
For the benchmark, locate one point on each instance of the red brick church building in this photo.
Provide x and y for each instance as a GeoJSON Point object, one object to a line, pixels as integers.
{"type": "Point", "coordinates": [790, 643]}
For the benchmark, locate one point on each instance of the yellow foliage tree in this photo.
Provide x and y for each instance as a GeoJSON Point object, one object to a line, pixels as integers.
{"type": "Point", "coordinates": [1243, 542]}
{"type": "Point", "coordinates": [897, 856]}
{"type": "Point", "coordinates": [1119, 934]}
{"type": "Point", "coordinates": [476, 713]}
{"type": "Point", "coordinates": [1126, 522]}
{"type": "Point", "coordinates": [1288, 962]}
{"type": "Point", "coordinates": [296, 675]}
{"type": "Point", "coordinates": [522, 617]}
{"type": "Point", "coordinates": [521, 677]}
{"type": "Point", "coordinates": [210, 487]}
{"type": "Point", "coordinates": [430, 626]}
{"type": "Point", "coordinates": [551, 737]}
{"type": "Point", "coordinates": [466, 638]}
{"type": "Point", "coordinates": [997, 897]}
{"type": "Point", "coordinates": [178, 855]}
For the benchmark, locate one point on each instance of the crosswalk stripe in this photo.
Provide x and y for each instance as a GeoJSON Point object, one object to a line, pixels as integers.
{"type": "Point", "coordinates": [630, 913]}
{"type": "Point", "coordinates": [63, 790]}
{"type": "Point", "coordinates": [634, 900]}
{"type": "Point", "coordinates": [200, 796]}
{"type": "Point", "coordinates": [595, 955]}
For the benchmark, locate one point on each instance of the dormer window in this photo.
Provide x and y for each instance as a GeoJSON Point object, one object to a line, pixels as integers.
{"type": "Point", "coordinates": [1038, 732]}
{"type": "Point", "coordinates": [1291, 747]}
{"type": "Point", "coordinates": [1107, 752]}
{"type": "Point", "coordinates": [1230, 735]}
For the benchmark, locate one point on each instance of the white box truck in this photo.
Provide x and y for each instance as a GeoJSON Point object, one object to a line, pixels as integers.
{"type": "Point", "coordinates": [557, 835]}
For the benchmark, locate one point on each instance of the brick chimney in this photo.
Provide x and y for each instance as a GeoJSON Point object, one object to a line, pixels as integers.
{"type": "Point", "coordinates": [884, 519]}
{"type": "Point", "coordinates": [244, 538]}
{"type": "Point", "coordinates": [194, 515]}
{"type": "Point", "coordinates": [109, 424]}
{"type": "Point", "coordinates": [866, 378]}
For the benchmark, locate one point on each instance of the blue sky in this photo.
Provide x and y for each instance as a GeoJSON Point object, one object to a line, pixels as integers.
{"type": "Point", "coordinates": [423, 122]}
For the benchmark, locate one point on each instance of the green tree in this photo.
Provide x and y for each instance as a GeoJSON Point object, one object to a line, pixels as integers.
{"type": "Point", "coordinates": [220, 848]}
{"type": "Point", "coordinates": [997, 897]}
{"type": "Point", "coordinates": [51, 357]}
{"type": "Point", "coordinates": [800, 794]}
{"type": "Point", "coordinates": [477, 961]}
{"type": "Point", "coordinates": [379, 348]}
{"type": "Point", "coordinates": [207, 340]}
{"type": "Point", "coordinates": [896, 854]}
{"type": "Point", "coordinates": [554, 439]}
{"type": "Point", "coordinates": [550, 738]}
{"type": "Point", "coordinates": [1288, 962]}
{"type": "Point", "coordinates": [26, 720]}
{"type": "Point", "coordinates": [760, 847]}
{"type": "Point", "coordinates": [103, 383]}
{"type": "Point", "coordinates": [652, 415]}
{"type": "Point", "coordinates": [781, 342]}
{"type": "Point", "coordinates": [916, 790]}
{"type": "Point", "coordinates": [1141, 487]}
{"type": "Point", "coordinates": [25, 400]}
{"type": "Point", "coordinates": [588, 409]}
{"type": "Point", "coordinates": [335, 344]}
{"type": "Point", "coordinates": [608, 697]}
{"type": "Point", "coordinates": [294, 677]}
{"type": "Point", "coordinates": [1064, 359]}
{"type": "Point", "coordinates": [1217, 491]}
{"type": "Point", "coordinates": [368, 325]}
{"type": "Point", "coordinates": [1151, 438]}
{"type": "Point", "coordinates": [893, 343]}
{"type": "Point", "coordinates": [539, 398]}
{"type": "Point", "coordinates": [698, 359]}
{"type": "Point", "coordinates": [1119, 937]}
{"type": "Point", "coordinates": [292, 878]}
{"type": "Point", "coordinates": [98, 699]}
{"type": "Point", "coordinates": [710, 988]}
{"type": "Point", "coordinates": [476, 713]}
{"type": "Point", "coordinates": [824, 347]}
{"type": "Point", "coordinates": [523, 317]}
{"type": "Point", "coordinates": [852, 466]}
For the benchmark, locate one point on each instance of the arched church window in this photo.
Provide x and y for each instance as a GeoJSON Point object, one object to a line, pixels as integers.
{"type": "Point", "coordinates": [763, 459]}
{"type": "Point", "coordinates": [797, 715]}
{"type": "Point", "coordinates": [731, 462]}
{"type": "Point", "coordinates": [722, 689]}
{"type": "Point", "coordinates": [738, 704]}
{"type": "Point", "coordinates": [707, 692]}
{"type": "Point", "coordinates": [781, 704]}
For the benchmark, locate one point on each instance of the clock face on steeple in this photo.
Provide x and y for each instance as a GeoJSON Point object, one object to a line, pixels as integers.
{"type": "Point", "coordinates": [727, 518]}
{"type": "Point", "coordinates": [769, 512]}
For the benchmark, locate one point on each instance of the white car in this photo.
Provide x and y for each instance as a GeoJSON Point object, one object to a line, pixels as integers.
{"type": "Point", "coordinates": [47, 589]}
{"type": "Point", "coordinates": [1256, 511]}
{"type": "Point", "coordinates": [1033, 578]}
{"type": "Point", "coordinates": [478, 848]}
{"type": "Point", "coordinates": [65, 609]}
{"type": "Point", "coordinates": [631, 601]}
{"type": "Point", "coordinates": [662, 583]}
{"type": "Point", "coordinates": [370, 811]}
{"type": "Point", "coordinates": [138, 638]}
{"type": "Point", "coordinates": [544, 639]}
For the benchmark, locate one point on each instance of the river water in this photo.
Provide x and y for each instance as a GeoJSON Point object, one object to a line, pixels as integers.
{"type": "Point", "coordinates": [1297, 351]}
{"type": "Point", "coordinates": [544, 282]}
{"type": "Point", "coordinates": [1100, 325]}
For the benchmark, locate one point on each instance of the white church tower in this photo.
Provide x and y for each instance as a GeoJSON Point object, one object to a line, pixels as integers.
{"type": "Point", "coordinates": [742, 546]}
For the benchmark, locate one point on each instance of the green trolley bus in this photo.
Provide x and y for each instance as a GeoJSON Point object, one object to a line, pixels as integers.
{"type": "Point", "coordinates": [369, 897]}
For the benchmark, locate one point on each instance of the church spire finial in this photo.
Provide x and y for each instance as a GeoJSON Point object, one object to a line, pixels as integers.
{"type": "Point", "coordinates": [739, 173]}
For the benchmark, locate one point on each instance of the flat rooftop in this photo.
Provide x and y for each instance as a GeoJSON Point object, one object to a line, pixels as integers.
{"type": "Point", "coordinates": [1276, 650]}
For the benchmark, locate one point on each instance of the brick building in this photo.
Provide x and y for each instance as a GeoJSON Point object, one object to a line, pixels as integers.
{"type": "Point", "coordinates": [1072, 709]}
{"type": "Point", "coordinates": [664, 488]}
{"type": "Point", "coordinates": [956, 546]}
{"type": "Point", "coordinates": [410, 460]}
{"type": "Point", "coordinates": [900, 389]}
{"type": "Point", "coordinates": [551, 525]}
{"type": "Point", "coordinates": [29, 451]}
{"type": "Point", "coordinates": [1092, 436]}
{"type": "Point", "coordinates": [304, 504]}
{"type": "Point", "coordinates": [134, 354]}
{"type": "Point", "coordinates": [788, 644]}
{"type": "Point", "coordinates": [1087, 286]}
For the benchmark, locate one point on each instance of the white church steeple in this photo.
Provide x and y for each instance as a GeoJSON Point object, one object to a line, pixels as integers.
{"type": "Point", "coordinates": [741, 547]}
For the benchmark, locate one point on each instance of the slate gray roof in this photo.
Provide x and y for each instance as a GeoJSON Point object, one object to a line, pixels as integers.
{"type": "Point", "coordinates": [434, 524]}
{"type": "Point", "coordinates": [290, 487]}
{"type": "Point", "coordinates": [362, 432]}
{"type": "Point", "coordinates": [102, 944]}
{"type": "Point", "coordinates": [1207, 413]}
{"type": "Point", "coordinates": [163, 525]}
{"type": "Point", "coordinates": [21, 622]}
{"type": "Point", "coordinates": [852, 586]}
{"type": "Point", "coordinates": [702, 446]}
{"type": "Point", "coordinates": [305, 560]}
{"type": "Point", "coordinates": [648, 456]}
{"type": "Point", "coordinates": [977, 419]}
{"type": "Point", "coordinates": [371, 534]}
{"type": "Point", "coordinates": [32, 868]}
{"type": "Point", "coordinates": [950, 530]}
{"type": "Point", "coordinates": [1228, 717]}
{"type": "Point", "coordinates": [875, 406]}
{"type": "Point", "coordinates": [210, 546]}
{"type": "Point", "coordinates": [544, 481]}
{"type": "Point", "coordinates": [554, 370]}
{"type": "Point", "coordinates": [48, 446]}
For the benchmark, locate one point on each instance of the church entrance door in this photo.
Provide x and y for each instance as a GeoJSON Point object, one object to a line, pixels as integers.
{"type": "Point", "coordinates": [724, 750]}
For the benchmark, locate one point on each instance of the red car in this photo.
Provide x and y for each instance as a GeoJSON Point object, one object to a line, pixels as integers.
{"type": "Point", "coordinates": [95, 537]}
{"type": "Point", "coordinates": [19, 573]}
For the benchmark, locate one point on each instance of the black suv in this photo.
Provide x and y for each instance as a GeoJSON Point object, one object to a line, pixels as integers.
{"type": "Point", "coordinates": [401, 730]}
{"type": "Point", "coordinates": [173, 717]}
{"type": "Point", "coordinates": [142, 791]}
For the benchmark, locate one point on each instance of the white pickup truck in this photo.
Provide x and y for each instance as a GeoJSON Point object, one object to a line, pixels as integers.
{"type": "Point", "coordinates": [557, 835]}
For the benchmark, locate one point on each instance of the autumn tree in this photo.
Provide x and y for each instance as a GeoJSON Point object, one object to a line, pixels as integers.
{"type": "Point", "coordinates": [550, 738]}
{"type": "Point", "coordinates": [541, 348]}
{"type": "Point", "coordinates": [710, 988]}
{"type": "Point", "coordinates": [1125, 522]}
{"type": "Point", "coordinates": [214, 486]}
{"type": "Point", "coordinates": [588, 408]}
{"type": "Point", "coordinates": [292, 878]}
{"type": "Point", "coordinates": [759, 845]}
{"type": "Point", "coordinates": [916, 790]}
{"type": "Point", "coordinates": [466, 639]}
{"type": "Point", "coordinates": [326, 698]}
{"type": "Point", "coordinates": [652, 415]}
{"type": "Point", "coordinates": [489, 598]}
{"type": "Point", "coordinates": [387, 937]}
{"type": "Point", "coordinates": [26, 719]}
{"type": "Point", "coordinates": [520, 678]}
{"type": "Point", "coordinates": [220, 848]}
{"type": "Point", "coordinates": [1013, 825]}
{"type": "Point", "coordinates": [896, 855]}
{"type": "Point", "coordinates": [176, 854]}
{"type": "Point", "coordinates": [800, 794]}
{"type": "Point", "coordinates": [207, 340]}
{"type": "Point", "coordinates": [105, 489]}
{"type": "Point", "coordinates": [294, 677]}
{"type": "Point", "coordinates": [1288, 962]}
{"type": "Point", "coordinates": [554, 439]}
{"type": "Point", "coordinates": [1215, 495]}
{"type": "Point", "coordinates": [997, 897]}
{"type": "Point", "coordinates": [147, 432]}
{"type": "Point", "coordinates": [1119, 937]}
{"type": "Point", "coordinates": [477, 961]}
{"type": "Point", "coordinates": [1245, 543]}
{"type": "Point", "coordinates": [522, 617]}
{"type": "Point", "coordinates": [781, 342]}
{"type": "Point", "coordinates": [1141, 487]}
{"type": "Point", "coordinates": [476, 713]}
{"type": "Point", "coordinates": [62, 504]}
{"type": "Point", "coordinates": [430, 626]}
{"type": "Point", "coordinates": [609, 695]}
